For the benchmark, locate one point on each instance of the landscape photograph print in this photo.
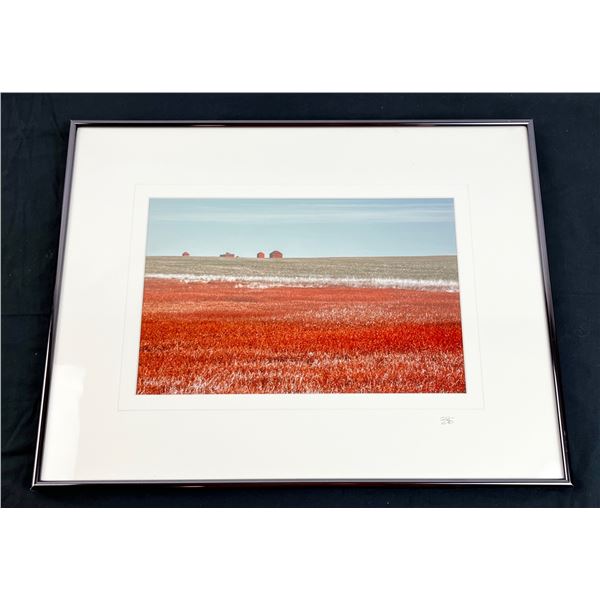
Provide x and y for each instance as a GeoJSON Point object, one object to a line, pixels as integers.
{"type": "Point", "coordinates": [301, 296]}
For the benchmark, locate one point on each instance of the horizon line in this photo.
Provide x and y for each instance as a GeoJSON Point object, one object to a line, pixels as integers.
{"type": "Point", "coordinates": [284, 256]}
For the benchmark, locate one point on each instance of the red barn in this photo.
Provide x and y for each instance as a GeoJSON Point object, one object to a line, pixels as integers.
{"type": "Point", "coordinates": [275, 254]}
{"type": "Point", "coordinates": [186, 253]}
{"type": "Point", "coordinates": [260, 255]}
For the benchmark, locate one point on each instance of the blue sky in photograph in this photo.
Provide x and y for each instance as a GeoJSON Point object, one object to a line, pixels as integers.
{"type": "Point", "coordinates": [302, 227]}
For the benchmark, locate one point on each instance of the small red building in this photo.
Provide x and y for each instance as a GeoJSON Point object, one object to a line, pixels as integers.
{"type": "Point", "coordinates": [186, 253]}
{"type": "Point", "coordinates": [275, 254]}
{"type": "Point", "coordinates": [260, 255]}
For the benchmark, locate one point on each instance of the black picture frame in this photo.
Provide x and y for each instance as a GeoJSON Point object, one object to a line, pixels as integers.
{"type": "Point", "coordinates": [75, 125]}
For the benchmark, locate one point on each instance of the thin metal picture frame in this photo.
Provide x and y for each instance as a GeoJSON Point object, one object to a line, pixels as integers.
{"type": "Point", "coordinates": [75, 125]}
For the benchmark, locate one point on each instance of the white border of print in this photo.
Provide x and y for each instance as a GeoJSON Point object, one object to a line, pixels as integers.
{"type": "Point", "coordinates": [128, 400]}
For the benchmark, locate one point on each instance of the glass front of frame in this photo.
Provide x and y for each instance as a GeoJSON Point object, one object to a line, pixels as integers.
{"type": "Point", "coordinates": [297, 304]}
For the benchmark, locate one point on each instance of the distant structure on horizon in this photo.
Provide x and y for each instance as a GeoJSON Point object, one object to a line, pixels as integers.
{"type": "Point", "coordinates": [261, 254]}
{"type": "Point", "coordinates": [186, 253]}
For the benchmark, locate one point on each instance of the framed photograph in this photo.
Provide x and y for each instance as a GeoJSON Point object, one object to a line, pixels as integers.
{"type": "Point", "coordinates": [302, 303]}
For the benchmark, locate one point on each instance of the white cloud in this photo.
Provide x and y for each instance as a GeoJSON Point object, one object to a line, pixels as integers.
{"type": "Point", "coordinates": [376, 211]}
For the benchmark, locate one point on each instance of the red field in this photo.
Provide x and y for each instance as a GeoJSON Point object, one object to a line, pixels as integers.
{"type": "Point", "coordinates": [219, 338]}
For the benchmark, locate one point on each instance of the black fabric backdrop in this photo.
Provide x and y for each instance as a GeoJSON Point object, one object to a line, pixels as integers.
{"type": "Point", "coordinates": [34, 148]}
